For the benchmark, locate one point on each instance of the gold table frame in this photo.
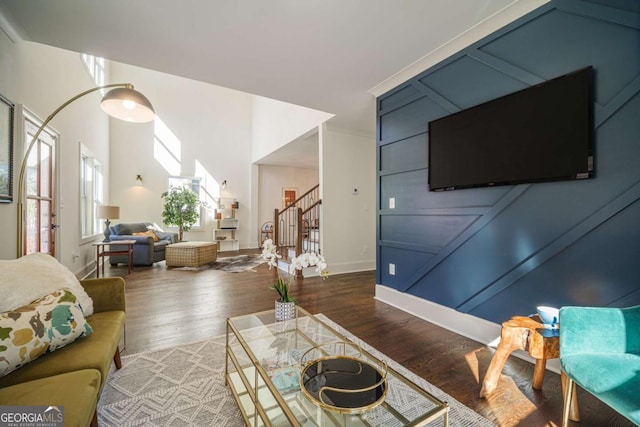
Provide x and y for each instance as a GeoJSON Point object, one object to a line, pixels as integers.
{"type": "Point", "coordinates": [255, 341]}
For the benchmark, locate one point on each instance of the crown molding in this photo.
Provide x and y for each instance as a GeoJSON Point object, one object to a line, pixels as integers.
{"type": "Point", "coordinates": [508, 14]}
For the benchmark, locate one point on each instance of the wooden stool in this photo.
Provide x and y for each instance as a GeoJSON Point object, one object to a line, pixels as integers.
{"type": "Point", "coordinates": [526, 333]}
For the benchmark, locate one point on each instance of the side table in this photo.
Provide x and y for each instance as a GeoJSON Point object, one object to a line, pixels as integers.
{"type": "Point", "coordinates": [101, 252]}
{"type": "Point", "coordinates": [529, 334]}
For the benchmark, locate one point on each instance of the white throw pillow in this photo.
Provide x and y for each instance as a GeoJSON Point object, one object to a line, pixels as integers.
{"type": "Point", "coordinates": [28, 278]}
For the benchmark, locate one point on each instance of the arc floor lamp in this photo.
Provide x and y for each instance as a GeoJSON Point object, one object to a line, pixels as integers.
{"type": "Point", "coordinates": [123, 102]}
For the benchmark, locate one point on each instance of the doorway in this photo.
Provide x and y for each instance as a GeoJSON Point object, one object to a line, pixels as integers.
{"type": "Point", "coordinates": [39, 226]}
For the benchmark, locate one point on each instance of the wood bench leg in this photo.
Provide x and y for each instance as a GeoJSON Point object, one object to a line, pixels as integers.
{"type": "Point", "coordinates": [538, 374]}
{"type": "Point", "coordinates": [510, 339]}
{"type": "Point", "coordinates": [116, 359]}
{"type": "Point", "coordinates": [495, 368]}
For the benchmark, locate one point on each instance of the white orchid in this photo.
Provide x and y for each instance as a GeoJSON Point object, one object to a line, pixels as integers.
{"type": "Point", "coordinates": [270, 253]}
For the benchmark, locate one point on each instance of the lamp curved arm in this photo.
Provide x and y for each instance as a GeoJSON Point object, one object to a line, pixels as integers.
{"type": "Point", "coordinates": [23, 167]}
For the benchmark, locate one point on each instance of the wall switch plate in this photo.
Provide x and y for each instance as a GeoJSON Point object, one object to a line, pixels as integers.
{"type": "Point", "coordinates": [392, 269]}
{"type": "Point", "coordinates": [392, 203]}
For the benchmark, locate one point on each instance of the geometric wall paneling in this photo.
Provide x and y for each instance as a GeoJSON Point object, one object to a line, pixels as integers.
{"type": "Point", "coordinates": [505, 67]}
{"type": "Point", "coordinates": [400, 95]}
{"type": "Point", "coordinates": [424, 233]}
{"type": "Point", "coordinates": [412, 195]}
{"type": "Point", "coordinates": [434, 96]}
{"type": "Point", "coordinates": [567, 240]}
{"type": "Point", "coordinates": [498, 251]}
{"type": "Point", "coordinates": [617, 149]}
{"type": "Point", "coordinates": [406, 262]}
{"type": "Point", "coordinates": [602, 113]}
{"type": "Point", "coordinates": [568, 278]}
{"type": "Point", "coordinates": [467, 82]}
{"type": "Point", "coordinates": [513, 194]}
{"type": "Point", "coordinates": [628, 300]}
{"type": "Point", "coordinates": [405, 155]}
{"type": "Point", "coordinates": [579, 39]}
{"type": "Point", "coordinates": [617, 170]}
{"type": "Point", "coordinates": [629, 6]}
{"type": "Point", "coordinates": [408, 189]}
{"type": "Point", "coordinates": [410, 120]}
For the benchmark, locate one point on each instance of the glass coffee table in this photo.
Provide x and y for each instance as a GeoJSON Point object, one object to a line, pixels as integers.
{"type": "Point", "coordinates": [264, 360]}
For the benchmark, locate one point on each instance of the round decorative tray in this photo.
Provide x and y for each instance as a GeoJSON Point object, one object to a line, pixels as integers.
{"type": "Point", "coordinates": [344, 384]}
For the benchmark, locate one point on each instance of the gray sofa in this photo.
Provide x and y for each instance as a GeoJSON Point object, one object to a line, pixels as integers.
{"type": "Point", "coordinates": [146, 251]}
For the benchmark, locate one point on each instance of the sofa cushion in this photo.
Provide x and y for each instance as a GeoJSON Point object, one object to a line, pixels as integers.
{"type": "Point", "coordinates": [129, 229]}
{"type": "Point", "coordinates": [148, 233]}
{"type": "Point", "coordinates": [27, 278]}
{"type": "Point", "coordinates": [107, 293]}
{"type": "Point", "coordinates": [45, 325]}
{"type": "Point", "coordinates": [76, 391]}
{"type": "Point", "coordinates": [161, 246]}
{"type": "Point", "coordinates": [95, 351]}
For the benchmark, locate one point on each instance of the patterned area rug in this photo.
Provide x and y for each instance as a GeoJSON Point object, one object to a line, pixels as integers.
{"type": "Point", "coordinates": [232, 264]}
{"type": "Point", "coordinates": [184, 386]}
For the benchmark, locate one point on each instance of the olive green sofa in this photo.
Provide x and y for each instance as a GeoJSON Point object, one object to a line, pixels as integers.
{"type": "Point", "coordinates": [73, 376]}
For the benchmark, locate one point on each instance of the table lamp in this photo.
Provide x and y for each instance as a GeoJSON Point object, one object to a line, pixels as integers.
{"type": "Point", "coordinates": [106, 213]}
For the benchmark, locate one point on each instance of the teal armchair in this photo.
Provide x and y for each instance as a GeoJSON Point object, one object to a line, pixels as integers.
{"type": "Point", "coordinates": [600, 351]}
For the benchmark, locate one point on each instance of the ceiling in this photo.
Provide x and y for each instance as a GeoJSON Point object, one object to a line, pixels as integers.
{"type": "Point", "coordinates": [326, 55]}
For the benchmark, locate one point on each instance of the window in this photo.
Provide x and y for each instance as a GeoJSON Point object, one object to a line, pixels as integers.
{"type": "Point", "coordinates": [96, 68]}
{"type": "Point", "coordinates": [91, 193]}
{"type": "Point", "coordinates": [194, 184]}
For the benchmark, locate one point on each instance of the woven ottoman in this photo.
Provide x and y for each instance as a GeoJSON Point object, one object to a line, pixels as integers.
{"type": "Point", "coordinates": [191, 254]}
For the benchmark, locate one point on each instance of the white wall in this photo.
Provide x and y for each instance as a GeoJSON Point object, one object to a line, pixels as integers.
{"type": "Point", "coordinates": [273, 179]}
{"type": "Point", "coordinates": [41, 78]}
{"type": "Point", "coordinates": [276, 123]}
{"type": "Point", "coordinates": [347, 162]}
{"type": "Point", "coordinates": [215, 127]}
{"type": "Point", "coordinates": [212, 126]}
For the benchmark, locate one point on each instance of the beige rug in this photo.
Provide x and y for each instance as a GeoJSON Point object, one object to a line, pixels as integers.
{"type": "Point", "coordinates": [184, 386]}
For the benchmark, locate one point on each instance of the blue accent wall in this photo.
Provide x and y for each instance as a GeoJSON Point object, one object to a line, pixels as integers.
{"type": "Point", "coordinates": [501, 251]}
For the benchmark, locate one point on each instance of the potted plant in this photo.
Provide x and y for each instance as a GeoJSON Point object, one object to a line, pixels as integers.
{"type": "Point", "coordinates": [285, 304]}
{"type": "Point", "coordinates": [181, 208]}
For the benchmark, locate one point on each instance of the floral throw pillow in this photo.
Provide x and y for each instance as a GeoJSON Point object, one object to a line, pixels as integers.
{"type": "Point", "coordinates": [45, 325]}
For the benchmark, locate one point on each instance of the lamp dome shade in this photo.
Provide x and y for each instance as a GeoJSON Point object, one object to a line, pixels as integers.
{"type": "Point", "coordinates": [127, 104]}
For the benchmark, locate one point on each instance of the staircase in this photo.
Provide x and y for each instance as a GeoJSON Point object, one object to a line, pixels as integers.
{"type": "Point", "coordinates": [297, 226]}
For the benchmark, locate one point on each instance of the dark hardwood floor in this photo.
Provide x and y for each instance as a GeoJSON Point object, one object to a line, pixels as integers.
{"type": "Point", "coordinates": [166, 307]}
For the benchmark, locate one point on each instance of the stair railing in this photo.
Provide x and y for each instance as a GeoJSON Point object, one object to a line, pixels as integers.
{"type": "Point", "coordinates": [297, 223]}
{"type": "Point", "coordinates": [310, 227]}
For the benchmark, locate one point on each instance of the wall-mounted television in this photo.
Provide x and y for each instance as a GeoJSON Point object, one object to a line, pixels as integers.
{"type": "Point", "coordinates": [541, 133]}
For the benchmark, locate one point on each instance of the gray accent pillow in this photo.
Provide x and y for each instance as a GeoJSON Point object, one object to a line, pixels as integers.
{"type": "Point", "coordinates": [129, 229]}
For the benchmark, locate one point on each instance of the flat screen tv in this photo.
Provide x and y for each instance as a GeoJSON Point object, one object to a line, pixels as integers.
{"type": "Point", "coordinates": [542, 133]}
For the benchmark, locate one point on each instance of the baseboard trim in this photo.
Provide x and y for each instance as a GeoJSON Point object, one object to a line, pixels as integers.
{"type": "Point", "coordinates": [351, 267]}
{"type": "Point", "coordinates": [86, 271]}
{"type": "Point", "coordinates": [475, 328]}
